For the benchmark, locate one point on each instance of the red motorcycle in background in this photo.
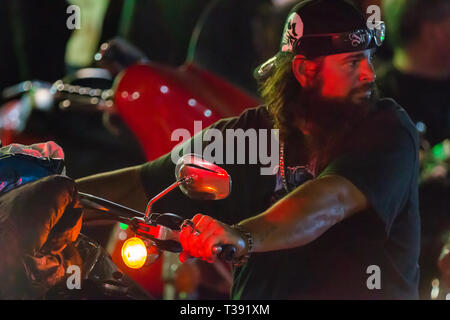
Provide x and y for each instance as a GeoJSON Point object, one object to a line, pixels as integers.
{"type": "Point", "coordinates": [146, 100]}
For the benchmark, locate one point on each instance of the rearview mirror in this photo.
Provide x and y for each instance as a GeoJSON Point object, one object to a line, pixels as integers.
{"type": "Point", "coordinates": [202, 180]}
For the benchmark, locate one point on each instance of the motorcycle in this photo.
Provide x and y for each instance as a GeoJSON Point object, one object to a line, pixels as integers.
{"type": "Point", "coordinates": [155, 233]}
{"type": "Point", "coordinates": [140, 103]}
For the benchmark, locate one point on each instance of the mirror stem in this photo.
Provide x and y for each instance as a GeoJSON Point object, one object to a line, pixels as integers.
{"type": "Point", "coordinates": [162, 194]}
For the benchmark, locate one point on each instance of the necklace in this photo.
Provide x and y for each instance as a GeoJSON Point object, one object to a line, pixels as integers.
{"type": "Point", "coordinates": [310, 167]}
{"type": "Point", "coordinates": [282, 172]}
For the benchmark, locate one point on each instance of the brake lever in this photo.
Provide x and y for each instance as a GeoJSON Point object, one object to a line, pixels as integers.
{"type": "Point", "coordinates": [161, 229]}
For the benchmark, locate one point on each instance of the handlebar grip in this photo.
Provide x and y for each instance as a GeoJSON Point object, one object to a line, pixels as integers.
{"type": "Point", "coordinates": [225, 252]}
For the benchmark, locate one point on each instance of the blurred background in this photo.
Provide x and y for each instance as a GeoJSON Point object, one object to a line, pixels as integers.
{"type": "Point", "coordinates": [111, 81]}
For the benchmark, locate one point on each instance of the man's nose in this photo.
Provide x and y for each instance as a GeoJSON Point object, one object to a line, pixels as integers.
{"type": "Point", "coordinates": [367, 72]}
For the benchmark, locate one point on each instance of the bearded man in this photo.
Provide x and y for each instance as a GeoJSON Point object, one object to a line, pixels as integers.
{"type": "Point", "coordinates": [339, 218]}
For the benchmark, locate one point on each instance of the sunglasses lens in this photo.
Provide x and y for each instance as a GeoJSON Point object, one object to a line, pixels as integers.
{"type": "Point", "coordinates": [380, 33]}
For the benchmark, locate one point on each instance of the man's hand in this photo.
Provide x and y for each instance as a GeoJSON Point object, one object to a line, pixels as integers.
{"type": "Point", "coordinates": [199, 241]}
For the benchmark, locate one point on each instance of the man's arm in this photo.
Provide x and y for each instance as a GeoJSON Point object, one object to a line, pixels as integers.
{"type": "Point", "coordinates": [123, 186]}
{"type": "Point", "coordinates": [305, 214]}
{"type": "Point", "coordinates": [299, 218]}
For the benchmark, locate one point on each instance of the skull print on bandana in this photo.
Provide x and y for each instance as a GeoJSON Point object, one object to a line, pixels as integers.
{"type": "Point", "coordinates": [293, 30]}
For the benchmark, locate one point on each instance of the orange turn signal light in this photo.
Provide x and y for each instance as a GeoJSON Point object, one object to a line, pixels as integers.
{"type": "Point", "coordinates": [134, 253]}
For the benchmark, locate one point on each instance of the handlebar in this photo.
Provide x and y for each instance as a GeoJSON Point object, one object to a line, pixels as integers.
{"type": "Point", "coordinates": [135, 219]}
{"type": "Point", "coordinates": [225, 252]}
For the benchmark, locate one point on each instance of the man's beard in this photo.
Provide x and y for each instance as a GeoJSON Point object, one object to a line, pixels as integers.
{"type": "Point", "coordinates": [331, 116]}
{"type": "Point", "coordinates": [328, 120]}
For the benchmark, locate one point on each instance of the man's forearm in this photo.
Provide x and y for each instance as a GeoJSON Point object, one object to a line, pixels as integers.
{"type": "Point", "coordinates": [305, 214]}
{"type": "Point", "coordinates": [123, 186]}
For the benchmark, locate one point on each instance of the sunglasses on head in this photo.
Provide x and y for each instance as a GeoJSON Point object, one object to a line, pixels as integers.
{"type": "Point", "coordinates": [360, 39]}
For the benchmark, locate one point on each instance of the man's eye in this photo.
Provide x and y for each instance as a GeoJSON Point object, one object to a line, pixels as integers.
{"type": "Point", "coordinates": [353, 63]}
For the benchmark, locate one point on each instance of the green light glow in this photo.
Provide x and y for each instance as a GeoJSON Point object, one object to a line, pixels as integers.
{"type": "Point", "coordinates": [183, 295]}
{"type": "Point", "coordinates": [438, 151]}
{"type": "Point", "coordinates": [123, 226]}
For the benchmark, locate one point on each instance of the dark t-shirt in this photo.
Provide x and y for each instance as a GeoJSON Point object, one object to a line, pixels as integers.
{"type": "Point", "coordinates": [339, 264]}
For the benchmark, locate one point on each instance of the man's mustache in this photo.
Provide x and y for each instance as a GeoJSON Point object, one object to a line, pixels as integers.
{"type": "Point", "coordinates": [365, 87]}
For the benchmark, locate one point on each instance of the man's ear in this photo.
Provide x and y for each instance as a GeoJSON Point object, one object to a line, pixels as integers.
{"type": "Point", "coordinates": [304, 70]}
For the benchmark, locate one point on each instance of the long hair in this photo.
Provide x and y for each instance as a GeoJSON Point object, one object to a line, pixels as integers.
{"type": "Point", "coordinates": [280, 90]}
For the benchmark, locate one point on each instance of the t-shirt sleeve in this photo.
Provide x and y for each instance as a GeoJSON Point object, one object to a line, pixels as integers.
{"type": "Point", "coordinates": [159, 173]}
{"type": "Point", "coordinates": [384, 174]}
